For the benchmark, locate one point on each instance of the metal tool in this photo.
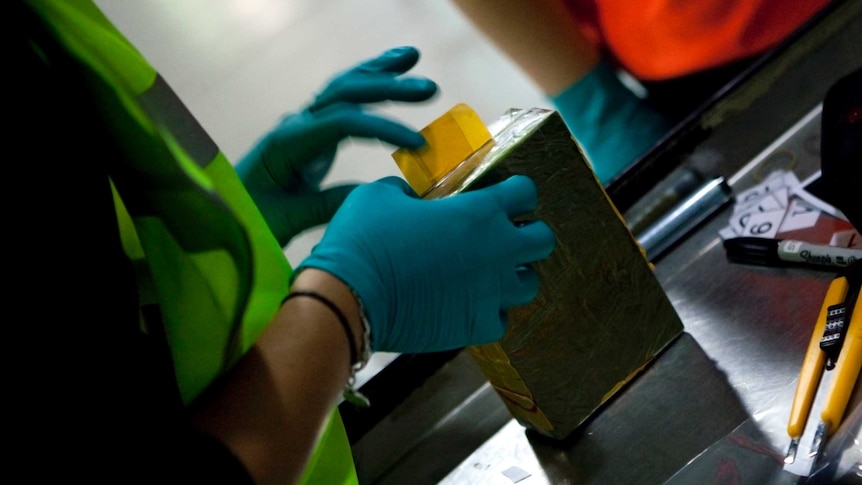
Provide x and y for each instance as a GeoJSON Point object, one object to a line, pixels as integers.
{"type": "Point", "coordinates": [683, 217]}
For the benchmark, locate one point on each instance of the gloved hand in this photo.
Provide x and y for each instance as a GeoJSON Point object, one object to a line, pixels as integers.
{"type": "Point", "coordinates": [284, 170]}
{"type": "Point", "coordinates": [437, 274]}
{"type": "Point", "coordinates": [612, 125]}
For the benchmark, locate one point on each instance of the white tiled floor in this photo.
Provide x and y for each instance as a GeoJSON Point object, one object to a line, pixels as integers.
{"type": "Point", "coordinates": [241, 64]}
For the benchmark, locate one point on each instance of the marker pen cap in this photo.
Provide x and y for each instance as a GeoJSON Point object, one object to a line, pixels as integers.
{"type": "Point", "coordinates": [753, 250]}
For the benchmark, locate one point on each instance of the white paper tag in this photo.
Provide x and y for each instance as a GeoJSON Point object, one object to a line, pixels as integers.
{"type": "Point", "coordinates": [763, 224]}
{"type": "Point", "coordinates": [800, 215]}
{"type": "Point", "coordinates": [727, 233]}
{"type": "Point", "coordinates": [846, 239]}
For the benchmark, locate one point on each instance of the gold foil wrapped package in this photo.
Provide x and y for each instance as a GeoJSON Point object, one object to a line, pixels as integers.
{"type": "Point", "coordinates": [600, 315]}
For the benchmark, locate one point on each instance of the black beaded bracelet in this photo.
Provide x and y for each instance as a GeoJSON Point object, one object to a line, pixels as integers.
{"type": "Point", "coordinates": [351, 338]}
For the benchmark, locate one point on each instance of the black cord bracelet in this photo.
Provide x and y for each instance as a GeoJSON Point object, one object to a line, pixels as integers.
{"type": "Point", "coordinates": [351, 338]}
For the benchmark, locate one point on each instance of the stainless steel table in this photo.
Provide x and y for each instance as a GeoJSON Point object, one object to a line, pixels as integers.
{"type": "Point", "coordinates": [728, 380]}
{"type": "Point", "coordinates": [712, 407]}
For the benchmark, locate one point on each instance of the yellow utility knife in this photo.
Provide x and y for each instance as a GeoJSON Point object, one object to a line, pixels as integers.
{"type": "Point", "coordinates": [835, 345]}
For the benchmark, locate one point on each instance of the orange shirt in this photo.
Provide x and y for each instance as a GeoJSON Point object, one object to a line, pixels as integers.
{"type": "Point", "coordinates": [661, 39]}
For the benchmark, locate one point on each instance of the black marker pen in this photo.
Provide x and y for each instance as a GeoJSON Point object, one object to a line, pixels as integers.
{"type": "Point", "coordinates": [778, 252]}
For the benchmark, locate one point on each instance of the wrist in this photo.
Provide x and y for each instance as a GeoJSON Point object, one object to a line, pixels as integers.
{"type": "Point", "coordinates": [359, 276]}
{"type": "Point", "coordinates": [333, 289]}
{"type": "Point", "coordinates": [612, 124]}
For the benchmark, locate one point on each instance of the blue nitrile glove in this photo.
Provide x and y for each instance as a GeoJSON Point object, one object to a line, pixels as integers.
{"type": "Point", "coordinates": [612, 125]}
{"type": "Point", "coordinates": [283, 172]}
{"type": "Point", "coordinates": [437, 274]}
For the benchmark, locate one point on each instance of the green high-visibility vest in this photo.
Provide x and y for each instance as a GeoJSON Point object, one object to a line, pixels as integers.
{"type": "Point", "coordinates": [205, 255]}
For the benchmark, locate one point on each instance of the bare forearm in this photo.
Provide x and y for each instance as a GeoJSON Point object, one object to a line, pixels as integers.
{"type": "Point", "coordinates": [273, 405]}
{"type": "Point", "coordinates": [539, 35]}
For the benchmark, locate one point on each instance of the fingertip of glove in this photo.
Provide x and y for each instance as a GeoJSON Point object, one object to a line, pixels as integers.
{"type": "Point", "coordinates": [414, 140]}
{"type": "Point", "coordinates": [417, 88]}
{"type": "Point", "coordinates": [536, 241]}
{"type": "Point", "coordinates": [517, 195]}
{"type": "Point", "coordinates": [521, 183]}
{"type": "Point", "coordinates": [402, 50]}
{"type": "Point", "coordinates": [397, 59]}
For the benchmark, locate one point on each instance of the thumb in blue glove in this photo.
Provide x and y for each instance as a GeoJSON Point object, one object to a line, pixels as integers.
{"type": "Point", "coordinates": [435, 274]}
{"type": "Point", "coordinates": [283, 172]}
{"type": "Point", "coordinates": [612, 125]}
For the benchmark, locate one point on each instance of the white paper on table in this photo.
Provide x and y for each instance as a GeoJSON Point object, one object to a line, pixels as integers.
{"type": "Point", "coordinates": [763, 224]}
{"type": "Point", "coordinates": [800, 215]}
